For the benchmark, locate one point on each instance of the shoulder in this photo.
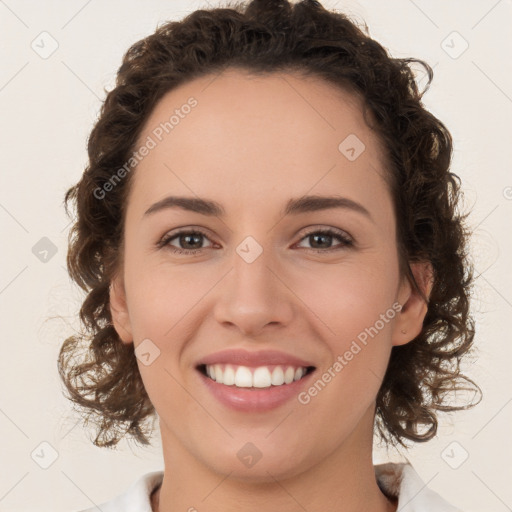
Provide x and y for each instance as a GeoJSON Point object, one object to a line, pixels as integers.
{"type": "Point", "coordinates": [136, 498]}
{"type": "Point", "coordinates": [403, 482]}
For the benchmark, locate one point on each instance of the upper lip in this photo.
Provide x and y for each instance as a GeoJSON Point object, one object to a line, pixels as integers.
{"type": "Point", "coordinates": [240, 357]}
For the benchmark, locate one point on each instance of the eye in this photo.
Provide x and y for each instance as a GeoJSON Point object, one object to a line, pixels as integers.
{"type": "Point", "coordinates": [190, 242]}
{"type": "Point", "coordinates": [321, 240]}
{"type": "Point", "coordinates": [191, 239]}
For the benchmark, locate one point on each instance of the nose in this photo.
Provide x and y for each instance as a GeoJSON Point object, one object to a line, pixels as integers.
{"type": "Point", "coordinates": [253, 296]}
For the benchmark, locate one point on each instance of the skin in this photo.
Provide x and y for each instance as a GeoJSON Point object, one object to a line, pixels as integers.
{"type": "Point", "coordinates": [252, 157]}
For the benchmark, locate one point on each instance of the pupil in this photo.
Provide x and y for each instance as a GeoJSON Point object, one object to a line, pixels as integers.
{"type": "Point", "coordinates": [189, 237]}
{"type": "Point", "coordinates": [320, 235]}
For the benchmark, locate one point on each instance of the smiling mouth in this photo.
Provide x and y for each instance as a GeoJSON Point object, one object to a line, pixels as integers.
{"type": "Point", "coordinates": [239, 376]}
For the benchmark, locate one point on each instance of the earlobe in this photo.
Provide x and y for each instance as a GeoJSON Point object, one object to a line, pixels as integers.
{"type": "Point", "coordinates": [409, 322]}
{"type": "Point", "coordinates": [119, 310]}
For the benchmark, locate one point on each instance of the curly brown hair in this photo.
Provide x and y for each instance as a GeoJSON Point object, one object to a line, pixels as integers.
{"type": "Point", "coordinates": [264, 36]}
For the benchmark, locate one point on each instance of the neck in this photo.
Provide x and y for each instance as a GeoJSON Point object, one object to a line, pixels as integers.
{"type": "Point", "coordinates": [344, 481]}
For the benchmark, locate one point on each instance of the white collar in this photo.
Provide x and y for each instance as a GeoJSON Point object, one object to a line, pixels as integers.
{"type": "Point", "coordinates": [402, 481]}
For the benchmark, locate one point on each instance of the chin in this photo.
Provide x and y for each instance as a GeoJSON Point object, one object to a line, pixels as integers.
{"type": "Point", "coordinates": [264, 465]}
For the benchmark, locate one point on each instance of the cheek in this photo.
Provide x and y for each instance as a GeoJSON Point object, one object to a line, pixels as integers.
{"type": "Point", "coordinates": [158, 302]}
{"type": "Point", "coordinates": [351, 296]}
{"type": "Point", "coordinates": [356, 305]}
{"type": "Point", "coordinates": [159, 296]}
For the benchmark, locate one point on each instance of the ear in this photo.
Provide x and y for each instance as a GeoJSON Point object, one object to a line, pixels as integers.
{"type": "Point", "coordinates": [409, 321]}
{"type": "Point", "coordinates": [119, 310]}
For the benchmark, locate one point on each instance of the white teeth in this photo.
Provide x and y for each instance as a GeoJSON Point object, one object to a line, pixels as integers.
{"type": "Point", "coordinates": [243, 377]}
{"type": "Point", "coordinates": [218, 374]}
{"type": "Point", "coordinates": [229, 376]}
{"type": "Point", "coordinates": [289, 374]}
{"type": "Point", "coordinates": [260, 377]}
{"type": "Point", "coordinates": [277, 376]}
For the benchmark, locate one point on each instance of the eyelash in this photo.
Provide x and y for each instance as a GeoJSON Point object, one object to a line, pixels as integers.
{"type": "Point", "coordinates": [346, 241]}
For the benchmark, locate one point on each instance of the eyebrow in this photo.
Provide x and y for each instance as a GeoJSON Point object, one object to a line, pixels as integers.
{"type": "Point", "coordinates": [296, 206]}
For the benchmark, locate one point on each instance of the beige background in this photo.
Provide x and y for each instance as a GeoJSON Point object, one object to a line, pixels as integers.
{"type": "Point", "coordinates": [48, 107]}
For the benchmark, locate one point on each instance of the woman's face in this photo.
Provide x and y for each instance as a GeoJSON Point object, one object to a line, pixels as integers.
{"type": "Point", "coordinates": [245, 152]}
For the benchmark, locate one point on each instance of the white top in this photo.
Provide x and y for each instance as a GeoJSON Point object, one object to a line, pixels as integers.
{"type": "Point", "coordinates": [398, 480]}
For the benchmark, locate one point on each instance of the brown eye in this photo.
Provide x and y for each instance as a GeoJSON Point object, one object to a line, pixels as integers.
{"type": "Point", "coordinates": [189, 242]}
{"type": "Point", "coordinates": [321, 240]}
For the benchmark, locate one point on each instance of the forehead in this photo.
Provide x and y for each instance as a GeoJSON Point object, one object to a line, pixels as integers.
{"type": "Point", "coordinates": [279, 131]}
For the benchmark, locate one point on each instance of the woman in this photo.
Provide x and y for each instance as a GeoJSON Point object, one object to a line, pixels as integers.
{"type": "Point", "coordinates": [268, 235]}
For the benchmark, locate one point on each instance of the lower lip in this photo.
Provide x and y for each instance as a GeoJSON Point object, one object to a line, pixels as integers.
{"type": "Point", "coordinates": [254, 399]}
